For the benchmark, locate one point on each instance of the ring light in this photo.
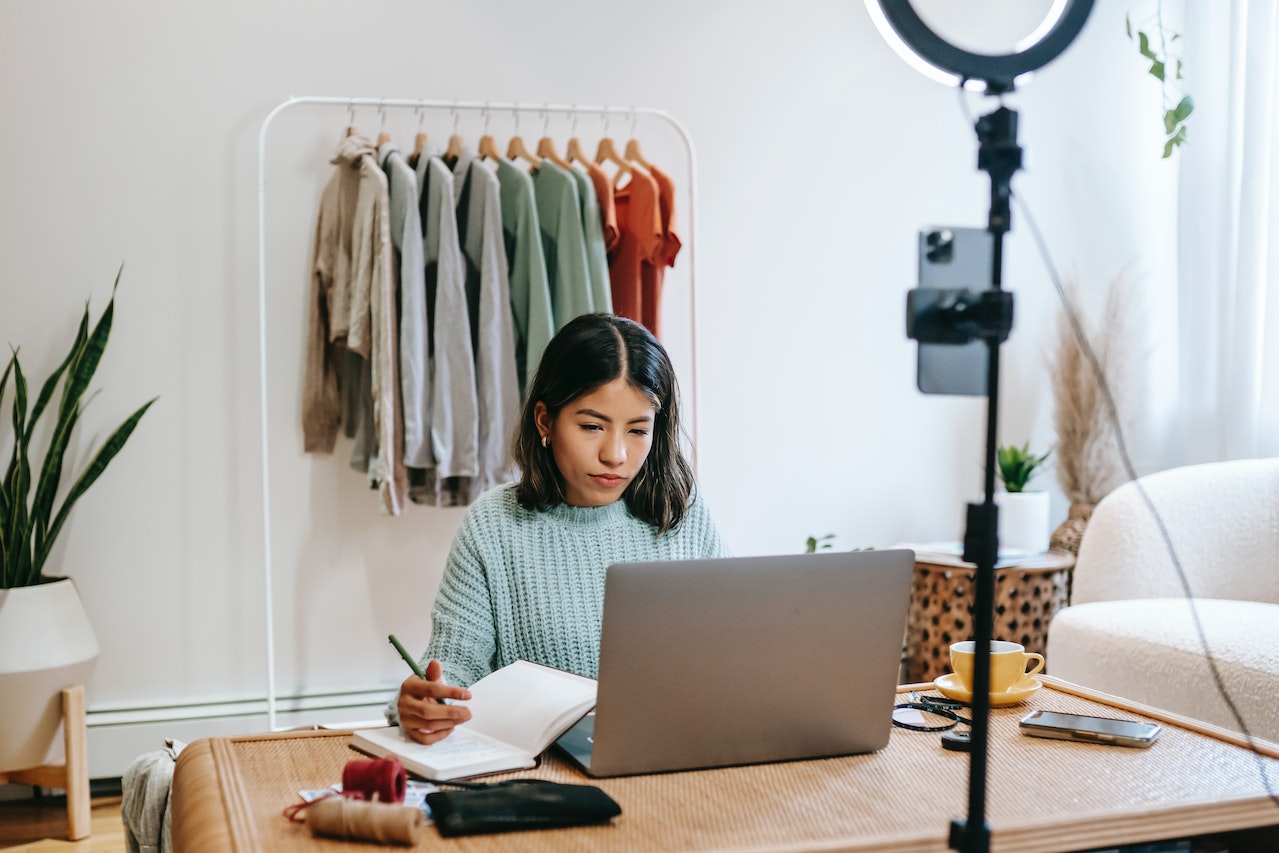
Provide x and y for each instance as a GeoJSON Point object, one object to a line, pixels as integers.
{"type": "Point", "coordinates": [938, 59]}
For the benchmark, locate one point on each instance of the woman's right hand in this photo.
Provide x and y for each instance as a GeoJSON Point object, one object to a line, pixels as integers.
{"type": "Point", "coordinates": [420, 705]}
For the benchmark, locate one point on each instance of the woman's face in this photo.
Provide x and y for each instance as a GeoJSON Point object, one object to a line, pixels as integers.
{"type": "Point", "coordinates": [599, 441]}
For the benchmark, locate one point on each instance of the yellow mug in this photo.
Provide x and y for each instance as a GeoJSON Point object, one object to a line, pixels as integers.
{"type": "Point", "coordinates": [1007, 664]}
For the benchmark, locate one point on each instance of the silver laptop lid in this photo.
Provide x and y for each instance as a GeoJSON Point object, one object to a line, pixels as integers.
{"type": "Point", "coordinates": [710, 663]}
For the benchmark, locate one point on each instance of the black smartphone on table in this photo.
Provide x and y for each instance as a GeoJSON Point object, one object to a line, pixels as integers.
{"type": "Point", "coordinates": [1078, 727]}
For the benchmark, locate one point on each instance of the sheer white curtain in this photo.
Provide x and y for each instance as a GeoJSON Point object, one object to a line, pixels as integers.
{"type": "Point", "coordinates": [1228, 236]}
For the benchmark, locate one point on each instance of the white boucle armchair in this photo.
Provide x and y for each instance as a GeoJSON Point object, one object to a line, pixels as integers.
{"type": "Point", "coordinates": [1129, 630]}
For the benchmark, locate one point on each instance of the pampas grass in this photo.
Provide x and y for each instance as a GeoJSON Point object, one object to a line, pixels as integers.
{"type": "Point", "coordinates": [1088, 462]}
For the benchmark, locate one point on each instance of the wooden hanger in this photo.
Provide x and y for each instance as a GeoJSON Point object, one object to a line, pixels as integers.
{"type": "Point", "coordinates": [419, 141]}
{"type": "Point", "coordinates": [546, 150]}
{"type": "Point", "coordinates": [575, 152]}
{"type": "Point", "coordinates": [350, 121]}
{"type": "Point", "coordinates": [546, 145]}
{"type": "Point", "coordinates": [382, 136]}
{"type": "Point", "coordinates": [517, 148]}
{"type": "Point", "coordinates": [634, 154]}
{"type": "Point", "coordinates": [456, 142]}
{"type": "Point", "coordinates": [488, 147]}
{"type": "Point", "coordinates": [607, 153]}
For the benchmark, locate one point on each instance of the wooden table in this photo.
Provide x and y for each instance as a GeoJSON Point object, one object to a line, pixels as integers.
{"type": "Point", "coordinates": [1044, 795]}
{"type": "Point", "coordinates": [1027, 596]}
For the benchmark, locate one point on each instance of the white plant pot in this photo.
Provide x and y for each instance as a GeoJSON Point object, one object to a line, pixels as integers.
{"type": "Point", "coordinates": [1023, 521]}
{"type": "Point", "coordinates": [46, 645]}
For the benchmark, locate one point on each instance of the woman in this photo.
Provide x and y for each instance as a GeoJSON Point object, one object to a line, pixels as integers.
{"type": "Point", "coordinates": [602, 481]}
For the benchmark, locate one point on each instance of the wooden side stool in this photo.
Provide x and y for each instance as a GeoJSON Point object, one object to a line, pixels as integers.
{"type": "Point", "coordinates": [1027, 596]}
{"type": "Point", "coordinates": [73, 775]}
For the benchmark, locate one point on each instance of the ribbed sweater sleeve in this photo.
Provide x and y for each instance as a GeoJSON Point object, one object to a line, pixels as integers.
{"type": "Point", "coordinates": [529, 585]}
{"type": "Point", "coordinates": [463, 637]}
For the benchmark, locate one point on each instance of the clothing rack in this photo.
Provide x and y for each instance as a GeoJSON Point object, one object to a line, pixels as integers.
{"type": "Point", "coordinates": [489, 107]}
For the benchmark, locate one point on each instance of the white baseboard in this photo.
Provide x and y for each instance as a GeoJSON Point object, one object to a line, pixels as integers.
{"type": "Point", "coordinates": [117, 736]}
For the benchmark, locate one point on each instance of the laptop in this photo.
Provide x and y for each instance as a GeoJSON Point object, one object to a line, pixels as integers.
{"type": "Point", "coordinates": [745, 660]}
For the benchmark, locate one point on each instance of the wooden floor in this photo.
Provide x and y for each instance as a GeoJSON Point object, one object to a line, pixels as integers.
{"type": "Point", "coordinates": [41, 825]}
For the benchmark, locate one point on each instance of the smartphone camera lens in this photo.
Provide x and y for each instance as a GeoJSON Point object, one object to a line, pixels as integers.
{"type": "Point", "coordinates": [941, 246]}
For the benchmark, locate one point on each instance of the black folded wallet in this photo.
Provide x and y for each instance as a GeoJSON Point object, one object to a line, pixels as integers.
{"type": "Point", "coordinates": [519, 804]}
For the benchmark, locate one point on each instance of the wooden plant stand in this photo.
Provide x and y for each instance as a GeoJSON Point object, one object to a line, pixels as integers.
{"type": "Point", "coordinates": [73, 775]}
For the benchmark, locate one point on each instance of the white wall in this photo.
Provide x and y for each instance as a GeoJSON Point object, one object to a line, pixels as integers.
{"type": "Point", "coordinates": [131, 135]}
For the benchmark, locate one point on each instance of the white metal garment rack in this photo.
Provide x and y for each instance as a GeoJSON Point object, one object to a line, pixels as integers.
{"type": "Point", "coordinates": [690, 229]}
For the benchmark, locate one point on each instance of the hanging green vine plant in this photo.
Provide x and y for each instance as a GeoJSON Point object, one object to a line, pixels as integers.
{"type": "Point", "coordinates": [1156, 43]}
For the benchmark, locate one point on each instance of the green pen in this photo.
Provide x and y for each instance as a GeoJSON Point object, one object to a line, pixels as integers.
{"type": "Point", "coordinates": [417, 670]}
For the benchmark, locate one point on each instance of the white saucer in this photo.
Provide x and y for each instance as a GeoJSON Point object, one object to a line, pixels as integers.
{"type": "Point", "coordinates": [952, 688]}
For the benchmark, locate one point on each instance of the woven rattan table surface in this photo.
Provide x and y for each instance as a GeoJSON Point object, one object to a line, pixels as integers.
{"type": "Point", "coordinates": [1044, 795]}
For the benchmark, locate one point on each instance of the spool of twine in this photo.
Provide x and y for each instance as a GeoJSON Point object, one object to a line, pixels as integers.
{"type": "Point", "coordinates": [363, 820]}
{"type": "Point", "coordinates": [382, 779]}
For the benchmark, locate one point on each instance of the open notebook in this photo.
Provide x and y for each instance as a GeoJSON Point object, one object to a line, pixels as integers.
{"type": "Point", "coordinates": [516, 713]}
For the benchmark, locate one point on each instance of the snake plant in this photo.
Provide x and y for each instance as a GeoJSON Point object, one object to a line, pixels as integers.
{"type": "Point", "coordinates": [30, 516]}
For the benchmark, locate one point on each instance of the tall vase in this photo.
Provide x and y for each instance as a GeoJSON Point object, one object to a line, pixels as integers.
{"type": "Point", "coordinates": [1071, 531]}
{"type": "Point", "coordinates": [46, 645]}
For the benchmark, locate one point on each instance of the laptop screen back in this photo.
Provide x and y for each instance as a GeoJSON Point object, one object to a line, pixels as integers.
{"type": "Point", "coordinates": [710, 663]}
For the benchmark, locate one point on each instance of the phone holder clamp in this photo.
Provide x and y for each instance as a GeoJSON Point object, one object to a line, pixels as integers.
{"type": "Point", "coordinates": [936, 316]}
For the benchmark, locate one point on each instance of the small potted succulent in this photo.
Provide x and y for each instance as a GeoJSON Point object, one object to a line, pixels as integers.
{"type": "Point", "coordinates": [1023, 513]}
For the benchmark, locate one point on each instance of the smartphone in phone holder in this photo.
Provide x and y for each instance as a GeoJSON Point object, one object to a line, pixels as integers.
{"type": "Point", "coordinates": [956, 309]}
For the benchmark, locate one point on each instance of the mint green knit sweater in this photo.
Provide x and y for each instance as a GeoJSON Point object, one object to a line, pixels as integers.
{"type": "Point", "coordinates": [523, 584]}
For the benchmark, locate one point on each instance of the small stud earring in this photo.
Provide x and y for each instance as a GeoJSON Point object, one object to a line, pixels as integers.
{"type": "Point", "coordinates": [546, 441]}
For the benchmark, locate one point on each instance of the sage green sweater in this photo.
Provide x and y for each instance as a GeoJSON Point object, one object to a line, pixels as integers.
{"type": "Point", "coordinates": [524, 584]}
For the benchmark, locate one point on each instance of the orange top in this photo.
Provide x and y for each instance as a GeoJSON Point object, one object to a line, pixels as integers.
{"type": "Point", "coordinates": [608, 210]}
{"type": "Point", "coordinates": [640, 240]}
{"type": "Point", "coordinates": [653, 274]}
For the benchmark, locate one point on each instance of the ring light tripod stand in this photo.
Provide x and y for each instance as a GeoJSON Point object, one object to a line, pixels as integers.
{"type": "Point", "coordinates": [959, 316]}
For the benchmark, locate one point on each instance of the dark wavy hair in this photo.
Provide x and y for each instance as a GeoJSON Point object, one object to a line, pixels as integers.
{"type": "Point", "coordinates": [590, 351]}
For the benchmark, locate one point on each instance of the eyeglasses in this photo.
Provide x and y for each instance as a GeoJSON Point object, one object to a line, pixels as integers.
{"type": "Point", "coordinates": [944, 708]}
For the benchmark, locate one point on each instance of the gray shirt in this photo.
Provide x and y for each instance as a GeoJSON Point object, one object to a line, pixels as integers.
{"type": "Point", "coordinates": [453, 409]}
{"type": "Point", "coordinates": [479, 214]}
{"type": "Point", "coordinates": [406, 237]}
